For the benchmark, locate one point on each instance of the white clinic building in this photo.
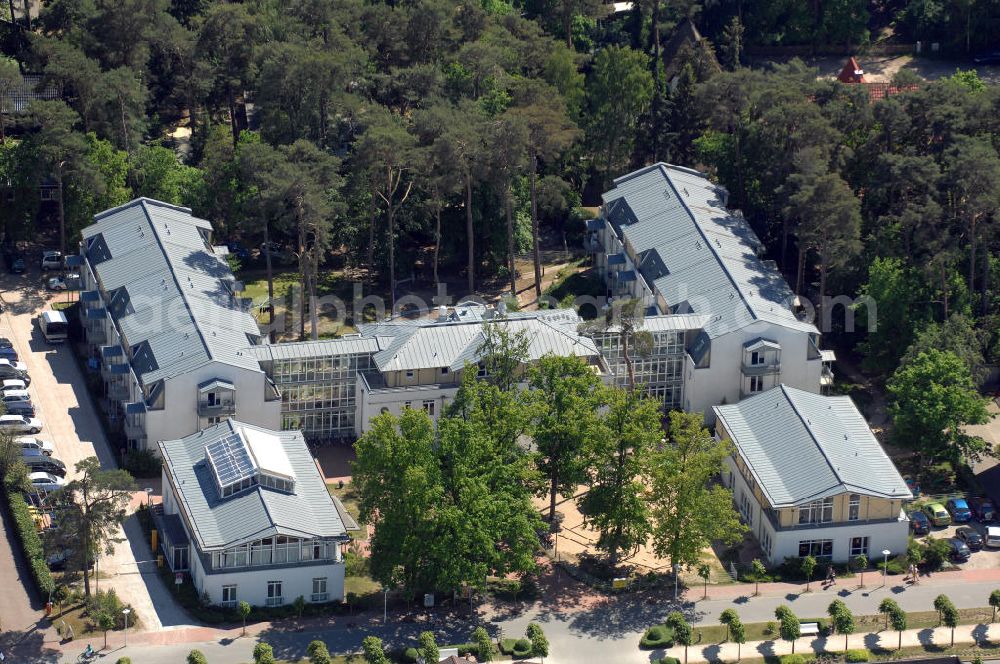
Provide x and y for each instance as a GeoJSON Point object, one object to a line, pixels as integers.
{"type": "Point", "coordinates": [247, 515]}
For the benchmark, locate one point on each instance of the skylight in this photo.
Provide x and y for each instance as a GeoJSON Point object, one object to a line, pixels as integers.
{"type": "Point", "coordinates": [231, 462]}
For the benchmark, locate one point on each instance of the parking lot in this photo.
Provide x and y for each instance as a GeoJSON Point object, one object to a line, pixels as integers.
{"type": "Point", "coordinates": [70, 421]}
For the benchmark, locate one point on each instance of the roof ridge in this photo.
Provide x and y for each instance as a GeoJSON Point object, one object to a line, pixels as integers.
{"type": "Point", "coordinates": [173, 275]}
{"type": "Point", "coordinates": [718, 257]}
{"type": "Point", "coordinates": [808, 426]}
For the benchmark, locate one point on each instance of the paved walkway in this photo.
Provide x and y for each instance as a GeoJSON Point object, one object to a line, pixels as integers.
{"type": "Point", "coordinates": [581, 625]}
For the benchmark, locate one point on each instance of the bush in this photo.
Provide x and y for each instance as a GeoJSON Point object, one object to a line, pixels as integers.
{"type": "Point", "coordinates": [824, 627]}
{"type": "Point", "coordinates": [657, 636]}
{"type": "Point", "coordinates": [897, 565]}
{"type": "Point", "coordinates": [124, 660]}
{"type": "Point", "coordinates": [792, 659]}
{"type": "Point", "coordinates": [668, 660]}
{"type": "Point", "coordinates": [410, 655]}
{"type": "Point", "coordinates": [771, 627]}
{"type": "Point", "coordinates": [522, 648]}
{"type": "Point", "coordinates": [31, 543]}
{"type": "Point", "coordinates": [196, 657]}
{"type": "Point", "coordinates": [855, 656]}
{"type": "Point", "coordinates": [143, 463]}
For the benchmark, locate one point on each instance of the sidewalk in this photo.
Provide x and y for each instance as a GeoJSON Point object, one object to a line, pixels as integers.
{"type": "Point", "coordinates": [872, 578]}
{"type": "Point", "coordinates": [928, 638]}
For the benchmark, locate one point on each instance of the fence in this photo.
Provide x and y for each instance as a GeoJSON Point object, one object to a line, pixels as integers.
{"type": "Point", "coordinates": [830, 49]}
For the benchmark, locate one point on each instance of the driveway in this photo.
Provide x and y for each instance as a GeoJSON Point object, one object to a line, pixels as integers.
{"type": "Point", "coordinates": [71, 422]}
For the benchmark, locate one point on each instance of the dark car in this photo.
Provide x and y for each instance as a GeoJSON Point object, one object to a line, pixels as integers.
{"type": "Point", "coordinates": [25, 408]}
{"type": "Point", "coordinates": [17, 266]}
{"type": "Point", "coordinates": [919, 522]}
{"type": "Point", "coordinates": [6, 343]}
{"type": "Point", "coordinates": [971, 538]}
{"type": "Point", "coordinates": [987, 58]}
{"type": "Point", "coordinates": [58, 560]}
{"type": "Point", "coordinates": [913, 486]}
{"type": "Point", "coordinates": [9, 353]}
{"type": "Point", "coordinates": [982, 509]}
{"type": "Point", "coordinates": [36, 461]}
{"type": "Point", "coordinates": [238, 250]}
{"type": "Point", "coordinates": [959, 550]}
{"type": "Point", "coordinates": [959, 510]}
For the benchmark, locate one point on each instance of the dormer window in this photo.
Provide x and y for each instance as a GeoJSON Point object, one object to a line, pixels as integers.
{"type": "Point", "coordinates": [248, 458]}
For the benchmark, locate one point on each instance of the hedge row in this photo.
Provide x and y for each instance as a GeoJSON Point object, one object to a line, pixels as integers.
{"type": "Point", "coordinates": [31, 543]}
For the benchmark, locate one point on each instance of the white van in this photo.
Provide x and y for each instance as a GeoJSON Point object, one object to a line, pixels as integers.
{"type": "Point", "coordinates": [52, 260]}
{"type": "Point", "coordinates": [54, 326]}
{"type": "Point", "coordinates": [993, 537]}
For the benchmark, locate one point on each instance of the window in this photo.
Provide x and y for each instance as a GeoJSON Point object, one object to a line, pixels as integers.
{"type": "Point", "coordinates": [756, 384]}
{"type": "Point", "coordinates": [816, 548]}
{"type": "Point", "coordinates": [765, 542]}
{"type": "Point", "coordinates": [481, 372]}
{"type": "Point", "coordinates": [407, 404]}
{"type": "Point", "coordinates": [756, 357]}
{"type": "Point", "coordinates": [854, 508]}
{"type": "Point", "coordinates": [274, 593]}
{"type": "Point", "coordinates": [444, 371]}
{"type": "Point", "coordinates": [859, 545]}
{"type": "Point", "coordinates": [229, 596]}
{"type": "Point", "coordinates": [180, 558]}
{"type": "Point", "coordinates": [746, 509]}
{"type": "Point", "coordinates": [820, 511]}
{"type": "Point", "coordinates": [319, 590]}
{"type": "Point", "coordinates": [409, 373]}
{"type": "Point", "coordinates": [429, 407]}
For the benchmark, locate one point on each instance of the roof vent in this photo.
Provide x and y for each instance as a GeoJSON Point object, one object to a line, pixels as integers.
{"type": "Point", "coordinates": [666, 193]}
{"type": "Point", "coordinates": [697, 245]}
{"type": "Point", "coordinates": [717, 243]}
{"type": "Point", "coordinates": [686, 191]}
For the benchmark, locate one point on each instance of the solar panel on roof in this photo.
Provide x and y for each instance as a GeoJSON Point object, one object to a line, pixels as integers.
{"type": "Point", "coordinates": [231, 460]}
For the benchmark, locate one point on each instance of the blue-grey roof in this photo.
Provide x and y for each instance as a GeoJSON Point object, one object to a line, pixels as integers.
{"type": "Point", "coordinates": [802, 447]}
{"type": "Point", "coordinates": [354, 345]}
{"type": "Point", "coordinates": [426, 343]}
{"type": "Point", "coordinates": [172, 298]}
{"type": "Point", "coordinates": [216, 522]}
{"type": "Point", "coordinates": [692, 250]}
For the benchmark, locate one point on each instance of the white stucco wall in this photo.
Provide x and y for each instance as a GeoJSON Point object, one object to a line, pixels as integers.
{"type": "Point", "coordinates": [882, 535]}
{"type": "Point", "coordinates": [179, 416]}
{"type": "Point", "coordinates": [252, 583]}
{"type": "Point", "coordinates": [370, 404]}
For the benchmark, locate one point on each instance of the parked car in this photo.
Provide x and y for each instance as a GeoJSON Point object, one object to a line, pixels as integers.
{"type": "Point", "coordinates": [17, 266]}
{"type": "Point", "coordinates": [16, 370]}
{"type": "Point", "coordinates": [20, 424]}
{"type": "Point", "coordinates": [8, 396]}
{"type": "Point", "coordinates": [36, 460]}
{"type": "Point", "coordinates": [987, 58]}
{"type": "Point", "coordinates": [25, 408]}
{"type": "Point", "coordinates": [32, 443]}
{"type": "Point", "coordinates": [238, 250]}
{"type": "Point", "coordinates": [913, 486]}
{"type": "Point", "coordinates": [13, 384]}
{"type": "Point", "coordinates": [959, 510]}
{"type": "Point", "coordinates": [972, 539]}
{"type": "Point", "coordinates": [52, 260]}
{"type": "Point", "coordinates": [8, 354]}
{"type": "Point", "coordinates": [919, 523]}
{"type": "Point", "coordinates": [959, 551]}
{"type": "Point", "coordinates": [982, 509]}
{"type": "Point", "coordinates": [993, 537]}
{"type": "Point", "coordinates": [65, 282]}
{"type": "Point", "coordinates": [58, 560]}
{"type": "Point", "coordinates": [937, 514]}
{"type": "Point", "coordinates": [42, 481]}
{"type": "Point", "coordinates": [6, 343]}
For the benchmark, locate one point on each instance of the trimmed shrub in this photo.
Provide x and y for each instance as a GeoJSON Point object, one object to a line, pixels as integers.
{"type": "Point", "coordinates": [668, 660]}
{"type": "Point", "coordinates": [657, 636]}
{"type": "Point", "coordinates": [124, 660]}
{"type": "Point", "coordinates": [410, 655]}
{"type": "Point", "coordinates": [855, 656]}
{"type": "Point", "coordinates": [196, 657]}
{"type": "Point", "coordinates": [792, 659]}
{"type": "Point", "coordinates": [522, 648]}
{"type": "Point", "coordinates": [31, 543]}
{"type": "Point", "coordinates": [143, 463]}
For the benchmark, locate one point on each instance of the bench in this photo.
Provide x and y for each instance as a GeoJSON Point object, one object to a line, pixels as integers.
{"type": "Point", "coordinates": [809, 629]}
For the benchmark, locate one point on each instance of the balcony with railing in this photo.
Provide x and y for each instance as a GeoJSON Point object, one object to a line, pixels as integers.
{"type": "Point", "coordinates": [218, 408]}
{"type": "Point", "coordinates": [761, 366]}
{"type": "Point", "coordinates": [774, 519]}
{"type": "Point", "coordinates": [592, 243]}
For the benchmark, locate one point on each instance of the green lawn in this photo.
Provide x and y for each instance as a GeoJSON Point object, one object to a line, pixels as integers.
{"type": "Point", "coordinates": [349, 497]}
{"type": "Point", "coordinates": [874, 623]}
{"type": "Point", "coordinates": [331, 283]}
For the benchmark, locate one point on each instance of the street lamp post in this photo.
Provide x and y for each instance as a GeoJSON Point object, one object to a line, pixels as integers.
{"type": "Point", "coordinates": [385, 606]}
{"type": "Point", "coordinates": [149, 496]}
{"type": "Point", "coordinates": [885, 564]}
{"type": "Point", "coordinates": [125, 613]}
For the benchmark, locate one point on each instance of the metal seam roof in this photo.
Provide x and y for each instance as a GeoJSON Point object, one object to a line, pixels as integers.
{"type": "Point", "coordinates": [222, 522]}
{"type": "Point", "coordinates": [802, 446]}
{"type": "Point", "coordinates": [679, 213]}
